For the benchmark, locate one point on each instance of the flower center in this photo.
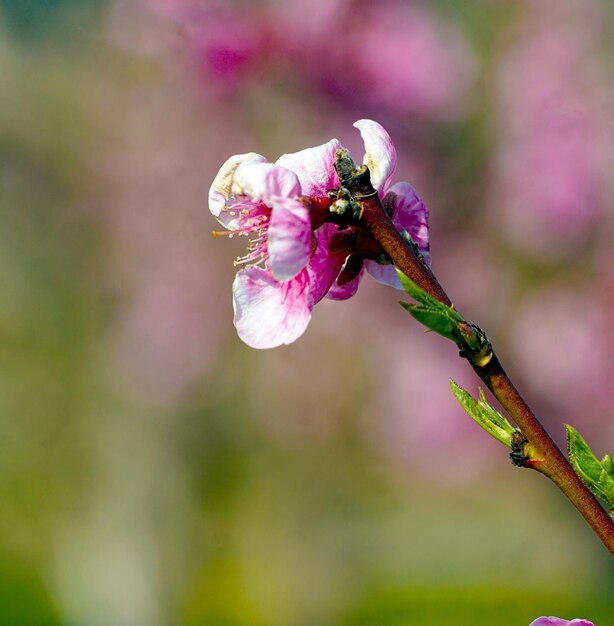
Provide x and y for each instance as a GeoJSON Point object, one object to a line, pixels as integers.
{"type": "Point", "coordinates": [251, 221]}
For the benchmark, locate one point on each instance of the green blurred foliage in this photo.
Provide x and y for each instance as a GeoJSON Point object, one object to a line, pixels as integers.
{"type": "Point", "coordinates": [38, 18]}
{"type": "Point", "coordinates": [487, 605]}
{"type": "Point", "coordinates": [24, 599]}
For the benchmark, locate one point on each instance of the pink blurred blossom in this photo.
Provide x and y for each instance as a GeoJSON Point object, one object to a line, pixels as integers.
{"type": "Point", "coordinates": [165, 284]}
{"type": "Point", "coordinates": [557, 621]}
{"type": "Point", "coordinates": [552, 164]}
{"type": "Point", "coordinates": [230, 48]}
{"type": "Point", "coordinates": [419, 422]}
{"type": "Point", "coordinates": [390, 56]}
{"type": "Point", "coordinates": [557, 345]}
{"type": "Point", "coordinates": [164, 336]}
{"type": "Point", "coordinates": [480, 284]}
{"type": "Point", "coordinates": [226, 42]}
{"type": "Point", "coordinates": [405, 59]}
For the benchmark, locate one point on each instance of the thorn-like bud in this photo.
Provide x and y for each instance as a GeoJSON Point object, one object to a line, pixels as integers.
{"type": "Point", "coordinates": [339, 206]}
{"type": "Point", "coordinates": [344, 165]}
{"type": "Point", "coordinates": [356, 178]}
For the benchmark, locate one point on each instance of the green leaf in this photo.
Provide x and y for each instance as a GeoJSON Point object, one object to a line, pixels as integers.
{"type": "Point", "coordinates": [485, 415]}
{"type": "Point", "coordinates": [430, 312]}
{"type": "Point", "coordinates": [597, 475]}
{"type": "Point", "coordinates": [493, 414]}
{"type": "Point", "coordinates": [436, 320]}
{"type": "Point", "coordinates": [446, 321]}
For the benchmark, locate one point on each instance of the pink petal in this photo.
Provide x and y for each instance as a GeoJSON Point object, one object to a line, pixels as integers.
{"type": "Point", "coordinates": [269, 313]}
{"type": "Point", "coordinates": [385, 274]}
{"type": "Point", "coordinates": [343, 292]}
{"type": "Point", "coordinates": [557, 621]}
{"type": "Point", "coordinates": [324, 267]}
{"type": "Point", "coordinates": [380, 153]}
{"type": "Point", "coordinates": [222, 188]}
{"type": "Point", "coordinates": [411, 214]}
{"type": "Point", "coordinates": [289, 234]}
{"type": "Point", "coordinates": [314, 167]}
{"type": "Point", "coordinates": [262, 181]}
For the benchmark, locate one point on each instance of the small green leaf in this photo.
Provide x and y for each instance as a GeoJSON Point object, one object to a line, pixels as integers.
{"type": "Point", "coordinates": [485, 415]}
{"type": "Point", "coordinates": [493, 414]}
{"type": "Point", "coordinates": [430, 312]}
{"type": "Point", "coordinates": [597, 475]}
{"type": "Point", "coordinates": [436, 320]}
{"type": "Point", "coordinates": [447, 321]}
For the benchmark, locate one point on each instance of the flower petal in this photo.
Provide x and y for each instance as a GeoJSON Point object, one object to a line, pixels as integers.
{"type": "Point", "coordinates": [315, 168]}
{"type": "Point", "coordinates": [222, 188]}
{"type": "Point", "coordinates": [324, 267]}
{"type": "Point", "coordinates": [269, 313]}
{"type": "Point", "coordinates": [261, 181]}
{"type": "Point", "coordinates": [343, 292]}
{"type": "Point", "coordinates": [411, 214]}
{"type": "Point", "coordinates": [289, 236]}
{"type": "Point", "coordinates": [385, 274]}
{"type": "Point", "coordinates": [380, 153]}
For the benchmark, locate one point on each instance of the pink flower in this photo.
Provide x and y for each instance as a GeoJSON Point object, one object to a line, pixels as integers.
{"type": "Point", "coordinates": [557, 621]}
{"type": "Point", "coordinates": [290, 264]}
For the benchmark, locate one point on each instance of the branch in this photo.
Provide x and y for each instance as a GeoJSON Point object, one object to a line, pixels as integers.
{"type": "Point", "coordinates": [552, 463]}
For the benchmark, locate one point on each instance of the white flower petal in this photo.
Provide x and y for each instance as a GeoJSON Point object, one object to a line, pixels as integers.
{"type": "Point", "coordinates": [221, 189]}
{"type": "Point", "coordinates": [315, 168]}
{"type": "Point", "coordinates": [380, 153]}
{"type": "Point", "coordinates": [261, 181]}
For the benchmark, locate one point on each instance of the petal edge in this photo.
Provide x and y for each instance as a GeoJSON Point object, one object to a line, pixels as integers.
{"type": "Point", "coordinates": [380, 153]}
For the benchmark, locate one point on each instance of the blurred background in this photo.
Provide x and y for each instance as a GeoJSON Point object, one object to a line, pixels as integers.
{"type": "Point", "coordinates": [156, 471]}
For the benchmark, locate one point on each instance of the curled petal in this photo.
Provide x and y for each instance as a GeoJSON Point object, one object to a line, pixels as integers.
{"type": "Point", "coordinates": [411, 214]}
{"type": "Point", "coordinates": [269, 313]}
{"type": "Point", "coordinates": [222, 188]}
{"type": "Point", "coordinates": [289, 236]}
{"type": "Point", "coordinates": [261, 181]}
{"type": "Point", "coordinates": [347, 290]}
{"type": "Point", "coordinates": [314, 167]}
{"type": "Point", "coordinates": [380, 153]}
{"type": "Point", "coordinates": [385, 274]}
